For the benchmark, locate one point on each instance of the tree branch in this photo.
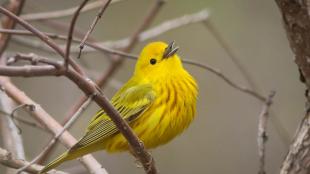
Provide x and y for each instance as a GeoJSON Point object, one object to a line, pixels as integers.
{"type": "Point", "coordinates": [14, 6]}
{"type": "Point", "coordinates": [12, 140]}
{"type": "Point", "coordinates": [70, 33]}
{"type": "Point", "coordinates": [262, 135]}
{"type": "Point", "coordinates": [7, 159]}
{"type": "Point", "coordinates": [42, 36]}
{"type": "Point", "coordinates": [45, 119]}
{"type": "Point", "coordinates": [62, 13]}
{"type": "Point", "coordinates": [296, 20]}
{"type": "Point", "coordinates": [92, 26]}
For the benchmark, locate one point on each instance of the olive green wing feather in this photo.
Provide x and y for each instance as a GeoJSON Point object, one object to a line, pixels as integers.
{"type": "Point", "coordinates": [130, 103]}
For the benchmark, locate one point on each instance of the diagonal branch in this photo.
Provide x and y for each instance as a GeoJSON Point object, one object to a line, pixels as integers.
{"type": "Point", "coordinates": [92, 26]}
{"type": "Point", "coordinates": [14, 6]}
{"type": "Point", "coordinates": [70, 32]}
{"type": "Point", "coordinates": [7, 159]}
{"type": "Point", "coordinates": [56, 137]}
{"type": "Point", "coordinates": [296, 21]}
{"type": "Point", "coordinates": [42, 36]}
{"type": "Point", "coordinates": [48, 122]}
{"type": "Point", "coordinates": [62, 13]}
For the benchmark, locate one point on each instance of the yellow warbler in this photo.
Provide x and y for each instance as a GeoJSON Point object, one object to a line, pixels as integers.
{"type": "Point", "coordinates": [159, 102]}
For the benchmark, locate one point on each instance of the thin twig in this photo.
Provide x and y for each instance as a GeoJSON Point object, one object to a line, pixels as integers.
{"type": "Point", "coordinates": [12, 115]}
{"type": "Point", "coordinates": [11, 139]}
{"type": "Point", "coordinates": [42, 36]}
{"type": "Point", "coordinates": [24, 121]}
{"type": "Point", "coordinates": [7, 159]}
{"type": "Point", "coordinates": [16, 7]}
{"type": "Point", "coordinates": [262, 135]}
{"type": "Point", "coordinates": [62, 13]}
{"type": "Point", "coordinates": [231, 54]}
{"type": "Point", "coordinates": [122, 43]}
{"type": "Point", "coordinates": [52, 145]}
{"type": "Point", "coordinates": [56, 137]}
{"type": "Point", "coordinates": [226, 79]}
{"type": "Point", "coordinates": [282, 132]}
{"type": "Point", "coordinates": [92, 26]}
{"type": "Point", "coordinates": [34, 59]}
{"type": "Point", "coordinates": [70, 32]}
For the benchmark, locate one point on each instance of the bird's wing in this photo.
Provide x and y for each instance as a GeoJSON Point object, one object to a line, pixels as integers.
{"type": "Point", "coordinates": [130, 103]}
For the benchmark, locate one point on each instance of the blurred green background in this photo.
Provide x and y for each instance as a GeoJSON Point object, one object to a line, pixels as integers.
{"type": "Point", "coordinates": [223, 137]}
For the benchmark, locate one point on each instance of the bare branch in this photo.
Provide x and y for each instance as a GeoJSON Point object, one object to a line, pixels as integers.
{"type": "Point", "coordinates": [226, 79]}
{"type": "Point", "coordinates": [122, 43]}
{"type": "Point", "coordinates": [262, 135]}
{"type": "Point", "coordinates": [42, 36]}
{"type": "Point", "coordinates": [13, 117]}
{"type": "Point", "coordinates": [11, 138]}
{"type": "Point", "coordinates": [92, 26]}
{"type": "Point", "coordinates": [70, 33]}
{"type": "Point", "coordinates": [34, 59]}
{"type": "Point", "coordinates": [14, 6]}
{"type": "Point", "coordinates": [56, 137]}
{"type": "Point", "coordinates": [30, 71]}
{"type": "Point", "coordinates": [231, 54]}
{"type": "Point", "coordinates": [63, 13]}
{"type": "Point", "coordinates": [296, 23]}
{"type": "Point", "coordinates": [24, 121]}
{"type": "Point", "coordinates": [7, 159]}
{"type": "Point", "coordinates": [45, 119]}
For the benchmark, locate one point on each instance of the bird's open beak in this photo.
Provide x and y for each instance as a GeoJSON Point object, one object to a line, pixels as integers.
{"type": "Point", "coordinates": [170, 50]}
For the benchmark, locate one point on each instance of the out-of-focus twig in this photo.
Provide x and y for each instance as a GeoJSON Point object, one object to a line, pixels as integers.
{"type": "Point", "coordinates": [246, 75]}
{"type": "Point", "coordinates": [12, 140]}
{"type": "Point", "coordinates": [10, 134]}
{"type": "Point", "coordinates": [92, 26]}
{"type": "Point", "coordinates": [122, 43]}
{"type": "Point", "coordinates": [42, 36]}
{"type": "Point", "coordinates": [15, 6]}
{"type": "Point", "coordinates": [226, 79]}
{"type": "Point", "coordinates": [24, 121]}
{"type": "Point", "coordinates": [13, 117]}
{"type": "Point", "coordinates": [10, 160]}
{"type": "Point", "coordinates": [56, 137]}
{"type": "Point", "coordinates": [231, 54]}
{"type": "Point", "coordinates": [63, 13]}
{"type": "Point", "coordinates": [262, 135]}
{"type": "Point", "coordinates": [49, 123]}
{"type": "Point", "coordinates": [70, 32]}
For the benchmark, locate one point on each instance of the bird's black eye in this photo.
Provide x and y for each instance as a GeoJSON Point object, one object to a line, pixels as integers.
{"type": "Point", "coordinates": [153, 61]}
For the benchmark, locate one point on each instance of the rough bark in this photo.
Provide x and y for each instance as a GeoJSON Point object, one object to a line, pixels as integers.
{"type": "Point", "coordinates": [296, 21]}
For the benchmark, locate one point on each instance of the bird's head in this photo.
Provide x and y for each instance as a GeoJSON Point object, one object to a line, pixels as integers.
{"type": "Point", "coordinates": [158, 58]}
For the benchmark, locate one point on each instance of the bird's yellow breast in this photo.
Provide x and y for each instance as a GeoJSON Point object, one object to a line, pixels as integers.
{"type": "Point", "coordinates": [172, 111]}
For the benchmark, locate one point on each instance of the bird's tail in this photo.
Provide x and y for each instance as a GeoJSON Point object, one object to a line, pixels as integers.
{"type": "Point", "coordinates": [71, 154]}
{"type": "Point", "coordinates": [60, 159]}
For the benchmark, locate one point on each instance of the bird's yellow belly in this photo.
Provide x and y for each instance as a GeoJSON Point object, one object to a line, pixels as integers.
{"type": "Point", "coordinates": [156, 126]}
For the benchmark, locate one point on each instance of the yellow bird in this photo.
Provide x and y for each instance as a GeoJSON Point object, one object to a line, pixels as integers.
{"type": "Point", "coordinates": [158, 101]}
